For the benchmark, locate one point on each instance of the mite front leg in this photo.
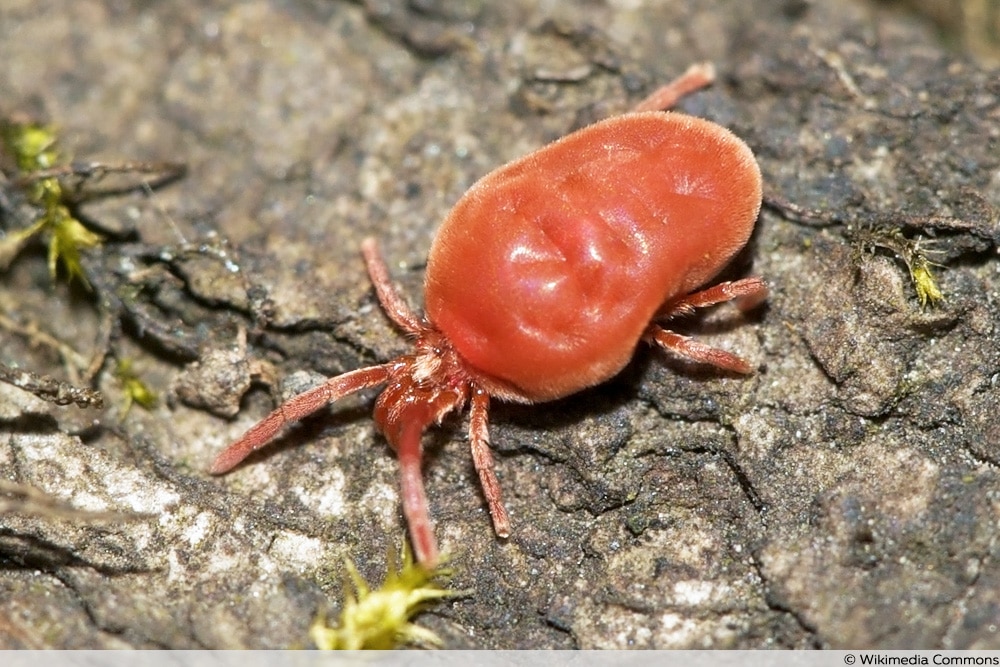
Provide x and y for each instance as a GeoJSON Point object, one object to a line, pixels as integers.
{"type": "Point", "coordinates": [392, 303]}
{"type": "Point", "coordinates": [295, 409]}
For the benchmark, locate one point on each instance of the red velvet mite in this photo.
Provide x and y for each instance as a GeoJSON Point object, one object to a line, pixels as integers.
{"type": "Point", "coordinates": [546, 275]}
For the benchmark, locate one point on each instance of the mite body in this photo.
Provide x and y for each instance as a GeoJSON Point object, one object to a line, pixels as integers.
{"type": "Point", "coordinates": [546, 275]}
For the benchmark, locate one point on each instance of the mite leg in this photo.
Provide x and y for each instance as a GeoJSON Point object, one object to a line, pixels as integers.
{"type": "Point", "coordinates": [479, 440]}
{"type": "Point", "coordinates": [392, 303]}
{"type": "Point", "coordinates": [749, 292]}
{"type": "Point", "coordinates": [696, 77]}
{"type": "Point", "coordinates": [296, 408]}
{"type": "Point", "coordinates": [692, 349]}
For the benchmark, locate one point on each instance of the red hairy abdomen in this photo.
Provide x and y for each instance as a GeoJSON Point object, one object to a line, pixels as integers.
{"type": "Point", "coordinates": [547, 272]}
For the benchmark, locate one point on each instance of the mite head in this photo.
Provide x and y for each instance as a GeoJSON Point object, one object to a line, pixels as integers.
{"type": "Point", "coordinates": [422, 389]}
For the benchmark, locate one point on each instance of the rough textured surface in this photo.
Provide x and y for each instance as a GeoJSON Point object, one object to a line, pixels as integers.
{"type": "Point", "coordinates": [845, 496]}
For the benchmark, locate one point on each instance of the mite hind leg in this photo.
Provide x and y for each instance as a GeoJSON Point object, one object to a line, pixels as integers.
{"type": "Point", "coordinates": [748, 292]}
{"type": "Point", "coordinates": [695, 78]}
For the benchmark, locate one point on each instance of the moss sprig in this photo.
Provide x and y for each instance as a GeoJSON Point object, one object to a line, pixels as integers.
{"type": "Point", "coordinates": [380, 619]}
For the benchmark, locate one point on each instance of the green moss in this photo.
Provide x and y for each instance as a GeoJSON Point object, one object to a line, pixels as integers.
{"type": "Point", "coordinates": [912, 253]}
{"type": "Point", "coordinates": [380, 619]}
{"type": "Point", "coordinates": [923, 281]}
{"type": "Point", "coordinates": [136, 391]}
{"type": "Point", "coordinates": [33, 148]}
